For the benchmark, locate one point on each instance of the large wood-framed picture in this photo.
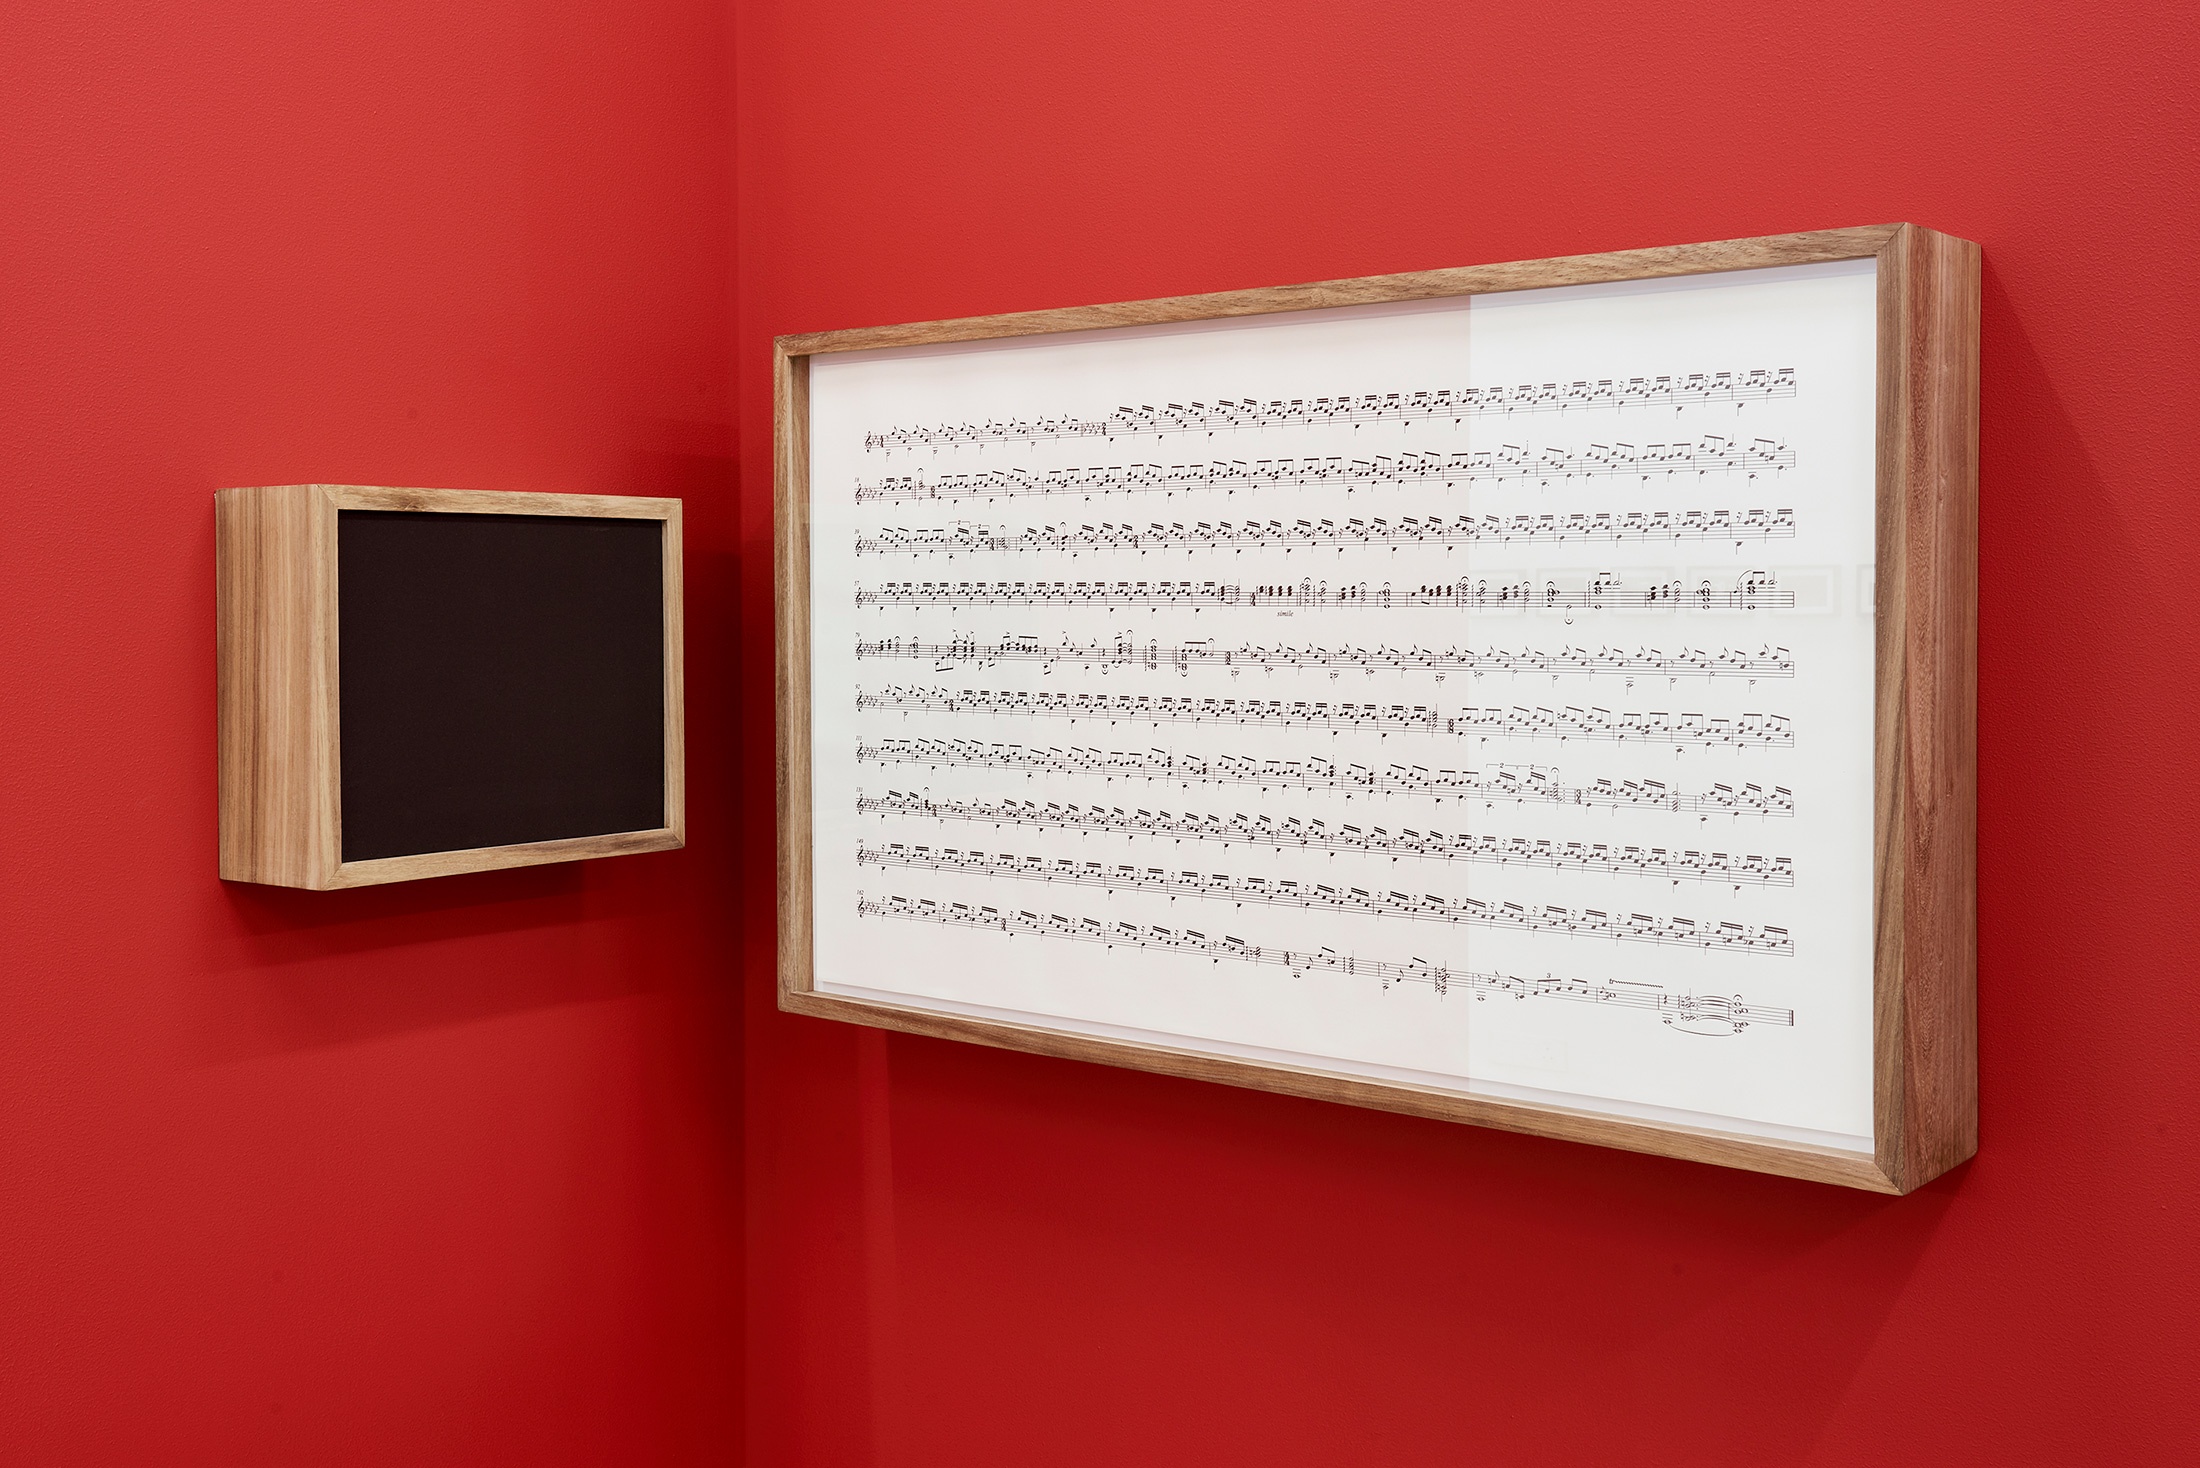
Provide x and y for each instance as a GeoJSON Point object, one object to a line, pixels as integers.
{"type": "Point", "coordinates": [1537, 695]}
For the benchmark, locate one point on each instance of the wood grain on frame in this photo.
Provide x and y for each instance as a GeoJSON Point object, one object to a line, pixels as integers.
{"type": "Point", "coordinates": [275, 597]}
{"type": "Point", "coordinates": [791, 612]}
{"type": "Point", "coordinates": [1925, 901]}
{"type": "Point", "coordinates": [1925, 1032]}
{"type": "Point", "coordinates": [1371, 290]}
{"type": "Point", "coordinates": [279, 743]}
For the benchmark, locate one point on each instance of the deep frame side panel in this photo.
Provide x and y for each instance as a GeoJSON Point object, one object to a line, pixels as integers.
{"type": "Point", "coordinates": [675, 653]}
{"type": "Point", "coordinates": [1940, 868]}
{"type": "Point", "coordinates": [791, 421]}
{"type": "Point", "coordinates": [274, 638]}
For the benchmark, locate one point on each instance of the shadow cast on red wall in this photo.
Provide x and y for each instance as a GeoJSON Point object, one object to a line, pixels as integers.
{"type": "Point", "coordinates": [294, 969]}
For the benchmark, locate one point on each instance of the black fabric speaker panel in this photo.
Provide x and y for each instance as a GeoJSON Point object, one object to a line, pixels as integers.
{"type": "Point", "coordinates": [501, 679]}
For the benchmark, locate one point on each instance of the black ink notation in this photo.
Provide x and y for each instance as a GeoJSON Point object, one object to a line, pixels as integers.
{"type": "Point", "coordinates": [1152, 656]}
{"type": "Point", "coordinates": [1292, 834]}
{"type": "Point", "coordinates": [1699, 1014]}
{"type": "Point", "coordinates": [1454, 403]}
{"type": "Point", "coordinates": [1752, 591]}
{"type": "Point", "coordinates": [1586, 922]}
{"type": "Point", "coordinates": [1709, 455]}
{"type": "Point", "coordinates": [1517, 784]}
{"type": "Point", "coordinates": [963, 538]}
{"type": "Point", "coordinates": [1655, 726]}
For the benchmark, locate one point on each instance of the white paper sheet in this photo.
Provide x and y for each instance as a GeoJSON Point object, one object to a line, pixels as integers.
{"type": "Point", "coordinates": [1476, 692]}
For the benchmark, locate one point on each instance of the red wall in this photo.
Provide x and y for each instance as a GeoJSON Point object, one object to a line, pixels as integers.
{"type": "Point", "coordinates": [461, 1172]}
{"type": "Point", "coordinates": [962, 1257]}
{"type": "Point", "coordinates": [440, 1174]}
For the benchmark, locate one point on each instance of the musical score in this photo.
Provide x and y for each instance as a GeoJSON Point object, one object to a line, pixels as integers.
{"type": "Point", "coordinates": [1430, 537]}
{"type": "Point", "coordinates": [1752, 591]}
{"type": "Point", "coordinates": [1656, 726]}
{"type": "Point", "coordinates": [1713, 454]}
{"type": "Point", "coordinates": [1152, 656]}
{"type": "Point", "coordinates": [1696, 1013]}
{"type": "Point", "coordinates": [964, 538]}
{"type": "Point", "coordinates": [1316, 835]}
{"type": "Point", "coordinates": [1455, 404]}
{"type": "Point", "coordinates": [1624, 927]}
{"type": "Point", "coordinates": [1522, 785]}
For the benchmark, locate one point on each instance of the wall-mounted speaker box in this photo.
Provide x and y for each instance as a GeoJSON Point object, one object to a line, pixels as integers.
{"type": "Point", "coordinates": [421, 682]}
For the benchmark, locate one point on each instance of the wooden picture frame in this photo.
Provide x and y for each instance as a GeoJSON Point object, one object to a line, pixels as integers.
{"type": "Point", "coordinates": [1924, 1064]}
{"type": "Point", "coordinates": [280, 741]}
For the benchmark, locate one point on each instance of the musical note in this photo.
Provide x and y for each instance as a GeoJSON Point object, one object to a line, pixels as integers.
{"type": "Point", "coordinates": [1292, 834]}
{"type": "Point", "coordinates": [963, 538]}
{"type": "Point", "coordinates": [1624, 927]}
{"type": "Point", "coordinates": [1502, 784]}
{"type": "Point", "coordinates": [1713, 1014]}
{"type": "Point", "coordinates": [1712, 454]}
{"type": "Point", "coordinates": [1455, 404]}
{"type": "Point", "coordinates": [1126, 652]}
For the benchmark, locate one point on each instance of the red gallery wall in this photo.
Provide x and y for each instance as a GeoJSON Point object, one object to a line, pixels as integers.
{"type": "Point", "coordinates": [524, 1168]}
{"type": "Point", "coordinates": [441, 1174]}
{"type": "Point", "coordinates": [961, 1257]}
